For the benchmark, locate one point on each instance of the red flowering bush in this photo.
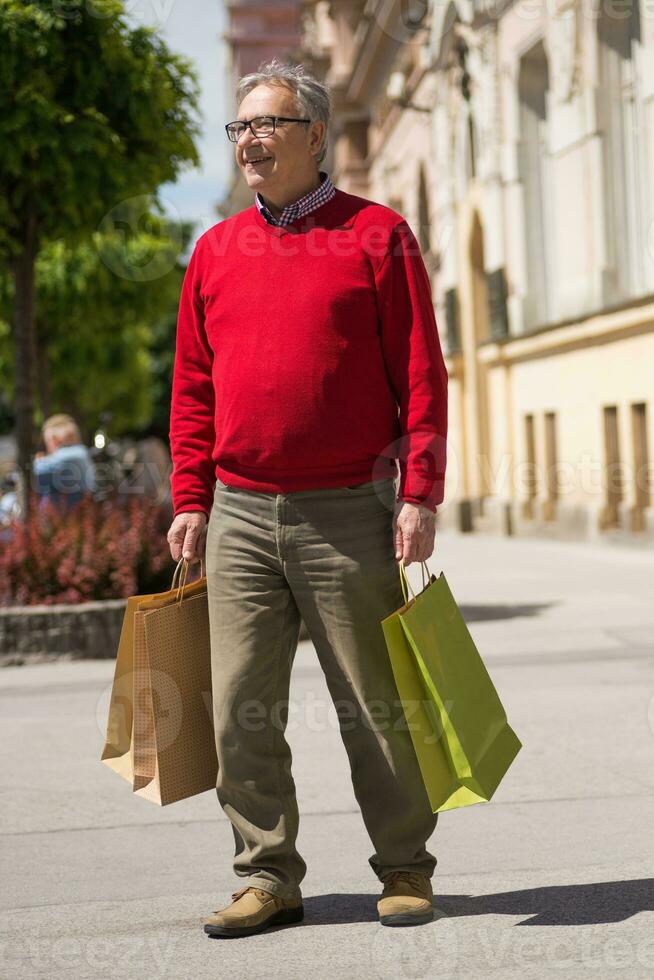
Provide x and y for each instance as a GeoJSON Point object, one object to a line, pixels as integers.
{"type": "Point", "coordinates": [106, 549]}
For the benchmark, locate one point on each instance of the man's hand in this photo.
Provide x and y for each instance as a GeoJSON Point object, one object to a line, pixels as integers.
{"type": "Point", "coordinates": [414, 531]}
{"type": "Point", "coordinates": [187, 535]}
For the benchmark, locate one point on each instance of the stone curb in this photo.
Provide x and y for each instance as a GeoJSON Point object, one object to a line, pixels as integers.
{"type": "Point", "coordinates": [75, 630]}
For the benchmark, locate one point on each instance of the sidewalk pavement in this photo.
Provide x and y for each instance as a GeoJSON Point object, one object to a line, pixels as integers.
{"type": "Point", "coordinates": [99, 883]}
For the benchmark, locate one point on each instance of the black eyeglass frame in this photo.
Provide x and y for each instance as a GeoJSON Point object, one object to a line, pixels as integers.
{"type": "Point", "coordinates": [248, 123]}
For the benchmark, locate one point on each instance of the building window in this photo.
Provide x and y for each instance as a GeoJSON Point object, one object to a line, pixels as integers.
{"type": "Point", "coordinates": [551, 467]}
{"type": "Point", "coordinates": [424, 224]}
{"type": "Point", "coordinates": [452, 321]}
{"type": "Point", "coordinates": [531, 475]}
{"type": "Point", "coordinates": [498, 314]}
{"type": "Point", "coordinates": [612, 469]}
{"type": "Point", "coordinates": [642, 487]}
{"type": "Point", "coordinates": [469, 135]}
{"type": "Point", "coordinates": [535, 176]}
{"type": "Point", "coordinates": [430, 256]}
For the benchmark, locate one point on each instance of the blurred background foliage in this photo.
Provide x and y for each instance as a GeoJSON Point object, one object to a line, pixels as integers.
{"type": "Point", "coordinates": [95, 117]}
{"type": "Point", "coordinates": [106, 311]}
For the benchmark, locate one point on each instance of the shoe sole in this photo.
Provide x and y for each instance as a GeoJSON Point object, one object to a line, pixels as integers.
{"type": "Point", "coordinates": [283, 917]}
{"type": "Point", "coordinates": [407, 918]}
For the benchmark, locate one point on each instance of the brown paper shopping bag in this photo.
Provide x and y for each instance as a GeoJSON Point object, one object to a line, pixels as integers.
{"type": "Point", "coordinates": [160, 734]}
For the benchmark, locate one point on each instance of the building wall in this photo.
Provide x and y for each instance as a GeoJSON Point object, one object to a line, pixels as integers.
{"type": "Point", "coordinates": [538, 235]}
{"type": "Point", "coordinates": [530, 187]}
{"type": "Point", "coordinates": [259, 30]}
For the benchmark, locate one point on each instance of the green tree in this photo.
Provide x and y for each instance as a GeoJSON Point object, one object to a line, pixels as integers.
{"type": "Point", "coordinates": [106, 312]}
{"type": "Point", "coordinates": [92, 113]}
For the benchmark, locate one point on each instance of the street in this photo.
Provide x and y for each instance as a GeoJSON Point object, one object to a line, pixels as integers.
{"type": "Point", "coordinates": [554, 877]}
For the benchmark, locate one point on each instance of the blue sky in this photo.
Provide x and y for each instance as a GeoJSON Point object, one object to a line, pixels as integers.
{"type": "Point", "coordinates": [193, 28]}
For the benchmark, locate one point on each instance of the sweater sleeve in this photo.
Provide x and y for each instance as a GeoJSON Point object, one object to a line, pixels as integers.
{"type": "Point", "coordinates": [416, 367]}
{"type": "Point", "coordinates": [192, 431]}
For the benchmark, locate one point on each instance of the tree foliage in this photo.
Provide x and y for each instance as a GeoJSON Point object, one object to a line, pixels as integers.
{"type": "Point", "coordinates": [92, 115]}
{"type": "Point", "coordinates": [106, 312]}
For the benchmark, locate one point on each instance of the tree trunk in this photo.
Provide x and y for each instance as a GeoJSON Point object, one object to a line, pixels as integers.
{"type": "Point", "coordinates": [24, 308]}
{"type": "Point", "coordinates": [43, 373]}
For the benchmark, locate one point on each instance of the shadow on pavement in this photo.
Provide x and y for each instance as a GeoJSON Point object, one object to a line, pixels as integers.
{"type": "Point", "coordinates": [478, 613]}
{"type": "Point", "coordinates": [560, 905]}
{"type": "Point", "coordinates": [555, 905]}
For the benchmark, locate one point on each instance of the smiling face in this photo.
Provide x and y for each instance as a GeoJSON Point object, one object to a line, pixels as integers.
{"type": "Point", "coordinates": [289, 167]}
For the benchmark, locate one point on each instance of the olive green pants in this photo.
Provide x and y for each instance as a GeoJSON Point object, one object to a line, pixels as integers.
{"type": "Point", "coordinates": [326, 557]}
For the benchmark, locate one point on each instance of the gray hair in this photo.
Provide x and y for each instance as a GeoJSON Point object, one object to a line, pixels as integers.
{"type": "Point", "coordinates": [313, 98]}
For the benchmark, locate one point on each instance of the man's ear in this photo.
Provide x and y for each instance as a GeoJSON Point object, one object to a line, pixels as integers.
{"type": "Point", "coordinates": [320, 132]}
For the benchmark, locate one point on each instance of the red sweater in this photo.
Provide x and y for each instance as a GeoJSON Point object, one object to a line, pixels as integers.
{"type": "Point", "coordinates": [307, 357]}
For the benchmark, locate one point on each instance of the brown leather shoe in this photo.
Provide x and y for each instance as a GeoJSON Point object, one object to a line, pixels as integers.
{"type": "Point", "coordinates": [406, 899]}
{"type": "Point", "coordinates": [253, 910]}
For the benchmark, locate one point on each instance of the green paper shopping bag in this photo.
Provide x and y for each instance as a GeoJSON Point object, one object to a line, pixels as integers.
{"type": "Point", "coordinates": [459, 728]}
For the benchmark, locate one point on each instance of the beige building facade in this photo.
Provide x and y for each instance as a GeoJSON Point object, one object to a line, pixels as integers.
{"type": "Point", "coordinates": [518, 141]}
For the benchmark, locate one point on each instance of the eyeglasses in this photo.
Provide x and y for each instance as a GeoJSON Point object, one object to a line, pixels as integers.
{"type": "Point", "coordinates": [259, 126]}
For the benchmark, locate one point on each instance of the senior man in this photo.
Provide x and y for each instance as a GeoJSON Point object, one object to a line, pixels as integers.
{"type": "Point", "coordinates": [307, 363]}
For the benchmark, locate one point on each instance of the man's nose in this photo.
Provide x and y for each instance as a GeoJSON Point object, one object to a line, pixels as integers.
{"type": "Point", "coordinates": [252, 144]}
{"type": "Point", "coordinates": [247, 137]}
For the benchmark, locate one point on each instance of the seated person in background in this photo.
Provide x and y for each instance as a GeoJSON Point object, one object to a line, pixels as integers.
{"type": "Point", "coordinates": [65, 472]}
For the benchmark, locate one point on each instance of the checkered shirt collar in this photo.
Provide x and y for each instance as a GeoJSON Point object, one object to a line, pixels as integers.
{"type": "Point", "coordinates": [314, 199]}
